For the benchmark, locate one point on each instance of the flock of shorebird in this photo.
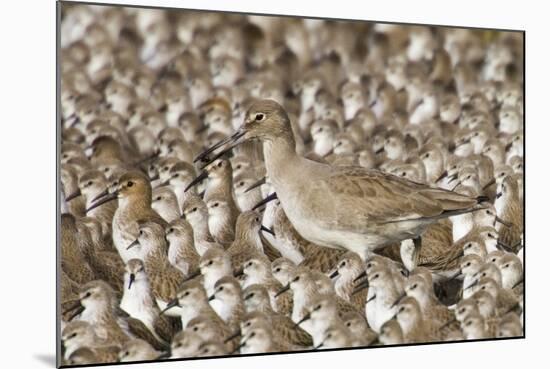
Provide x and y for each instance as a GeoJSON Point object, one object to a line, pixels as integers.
{"type": "Point", "coordinates": [235, 184]}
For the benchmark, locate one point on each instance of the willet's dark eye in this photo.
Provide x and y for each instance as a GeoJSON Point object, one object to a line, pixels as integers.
{"type": "Point", "coordinates": [259, 117]}
{"type": "Point", "coordinates": [130, 183]}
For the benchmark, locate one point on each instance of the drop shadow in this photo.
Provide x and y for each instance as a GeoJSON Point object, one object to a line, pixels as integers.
{"type": "Point", "coordinates": [48, 359]}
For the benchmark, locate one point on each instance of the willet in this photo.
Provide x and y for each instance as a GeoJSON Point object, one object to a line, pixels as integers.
{"type": "Point", "coordinates": [341, 207]}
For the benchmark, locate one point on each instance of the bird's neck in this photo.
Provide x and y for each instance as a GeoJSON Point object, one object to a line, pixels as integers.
{"type": "Point", "coordinates": [135, 204]}
{"type": "Point", "coordinates": [201, 231]}
{"type": "Point", "coordinates": [281, 158]}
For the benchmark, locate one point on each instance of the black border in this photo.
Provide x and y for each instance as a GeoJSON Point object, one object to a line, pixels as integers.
{"type": "Point", "coordinates": [59, 3]}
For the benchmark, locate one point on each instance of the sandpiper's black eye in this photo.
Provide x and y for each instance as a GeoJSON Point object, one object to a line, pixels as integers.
{"type": "Point", "coordinates": [158, 198]}
{"type": "Point", "coordinates": [507, 265]}
{"type": "Point", "coordinates": [194, 209]}
{"type": "Point", "coordinates": [259, 117]}
{"type": "Point", "coordinates": [210, 262]}
{"type": "Point", "coordinates": [488, 212]}
{"type": "Point", "coordinates": [468, 264]}
{"type": "Point", "coordinates": [375, 276]}
{"type": "Point", "coordinates": [130, 183]}
{"type": "Point", "coordinates": [296, 279]}
{"type": "Point", "coordinates": [348, 324]}
{"type": "Point", "coordinates": [221, 288]}
{"type": "Point", "coordinates": [252, 334]}
{"type": "Point", "coordinates": [141, 233]}
{"type": "Point", "coordinates": [468, 323]}
{"type": "Point", "coordinates": [414, 286]}
{"type": "Point", "coordinates": [216, 205]}
{"type": "Point", "coordinates": [277, 270]}
{"type": "Point", "coordinates": [402, 309]}
{"type": "Point", "coordinates": [316, 307]}
{"type": "Point", "coordinates": [186, 293]}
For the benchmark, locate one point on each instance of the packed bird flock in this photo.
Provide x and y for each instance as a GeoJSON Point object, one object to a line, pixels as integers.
{"type": "Point", "coordinates": [236, 184]}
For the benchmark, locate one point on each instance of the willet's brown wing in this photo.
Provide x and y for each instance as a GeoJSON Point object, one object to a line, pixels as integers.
{"type": "Point", "coordinates": [351, 197]}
